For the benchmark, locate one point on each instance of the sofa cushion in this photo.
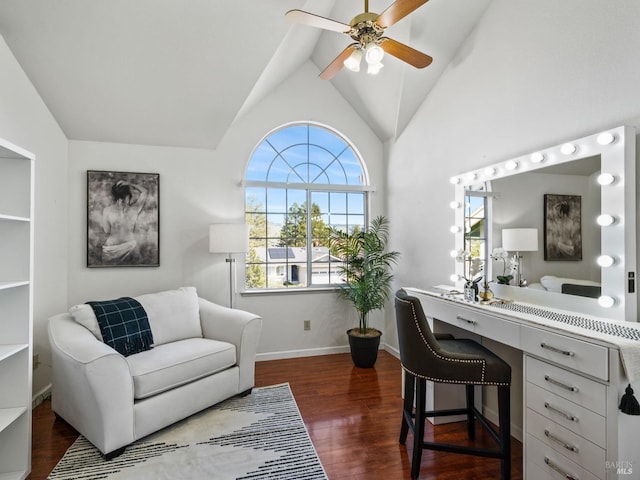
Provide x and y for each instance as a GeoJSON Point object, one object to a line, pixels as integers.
{"type": "Point", "coordinates": [171, 365]}
{"type": "Point", "coordinates": [85, 316]}
{"type": "Point", "coordinates": [124, 325]}
{"type": "Point", "coordinates": [173, 315]}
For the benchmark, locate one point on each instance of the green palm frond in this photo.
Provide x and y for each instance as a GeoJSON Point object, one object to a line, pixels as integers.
{"type": "Point", "coordinates": [366, 266]}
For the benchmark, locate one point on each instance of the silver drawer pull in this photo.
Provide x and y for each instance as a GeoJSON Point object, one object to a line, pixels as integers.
{"type": "Point", "coordinates": [560, 384]}
{"type": "Point", "coordinates": [568, 353]}
{"type": "Point", "coordinates": [471, 322]}
{"type": "Point", "coordinates": [551, 436]}
{"type": "Point", "coordinates": [566, 415]}
{"type": "Point", "coordinates": [555, 467]}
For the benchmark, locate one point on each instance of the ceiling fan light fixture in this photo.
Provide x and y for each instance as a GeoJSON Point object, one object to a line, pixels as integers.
{"type": "Point", "coordinates": [374, 68]}
{"type": "Point", "coordinates": [353, 61]}
{"type": "Point", "coordinates": [374, 55]}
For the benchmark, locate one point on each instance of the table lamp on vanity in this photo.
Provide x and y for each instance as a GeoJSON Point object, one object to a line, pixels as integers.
{"type": "Point", "coordinates": [520, 240]}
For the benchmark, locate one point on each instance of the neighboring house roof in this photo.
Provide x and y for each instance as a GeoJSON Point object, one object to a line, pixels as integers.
{"type": "Point", "coordinates": [295, 255]}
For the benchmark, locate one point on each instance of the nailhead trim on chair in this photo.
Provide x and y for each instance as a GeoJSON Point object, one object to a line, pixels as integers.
{"type": "Point", "coordinates": [459, 360]}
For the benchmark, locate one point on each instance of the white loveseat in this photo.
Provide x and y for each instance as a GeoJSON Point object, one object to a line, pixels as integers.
{"type": "Point", "coordinates": [203, 353]}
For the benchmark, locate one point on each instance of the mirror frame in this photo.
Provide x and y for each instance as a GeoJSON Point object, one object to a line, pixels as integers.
{"type": "Point", "coordinates": [617, 150]}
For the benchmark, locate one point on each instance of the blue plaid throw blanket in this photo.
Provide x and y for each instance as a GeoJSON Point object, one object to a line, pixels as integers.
{"type": "Point", "coordinates": [124, 325]}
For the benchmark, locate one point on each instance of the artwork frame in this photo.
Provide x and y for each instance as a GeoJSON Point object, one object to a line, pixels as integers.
{"type": "Point", "coordinates": [123, 219]}
{"type": "Point", "coordinates": [562, 227]}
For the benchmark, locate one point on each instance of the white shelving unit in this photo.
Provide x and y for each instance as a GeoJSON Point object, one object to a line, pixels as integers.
{"type": "Point", "coordinates": [16, 309]}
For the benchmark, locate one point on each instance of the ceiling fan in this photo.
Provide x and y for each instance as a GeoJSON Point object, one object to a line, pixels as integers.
{"type": "Point", "coordinates": [367, 30]}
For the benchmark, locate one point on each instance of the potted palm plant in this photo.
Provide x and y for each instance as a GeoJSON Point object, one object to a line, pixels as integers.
{"type": "Point", "coordinates": [366, 271]}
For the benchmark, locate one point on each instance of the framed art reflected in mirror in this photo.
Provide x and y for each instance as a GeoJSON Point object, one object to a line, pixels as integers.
{"type": "Point", "coordinates": [562, 227]}
{"type": "Point", "coordinates": [123, 219]}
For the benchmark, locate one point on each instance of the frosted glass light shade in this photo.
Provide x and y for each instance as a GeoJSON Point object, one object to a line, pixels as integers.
{"type": "Point", "coordinates": [520, 239]}
{"type": "Point", "coordinates": [228, 238]}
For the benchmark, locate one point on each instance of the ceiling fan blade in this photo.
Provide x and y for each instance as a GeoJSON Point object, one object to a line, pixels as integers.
{"type": "Point", "coordinates": [306, 18]}
{"type": "Point", "coordinates": [405, 53]}
{"type": "Point", "coordinates": [397, 11]}
{"type": "Point", "coordinates": [334, 67]}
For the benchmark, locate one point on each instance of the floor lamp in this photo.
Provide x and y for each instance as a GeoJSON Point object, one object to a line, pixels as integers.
{"type": "Point", "coordinates": [229, 238]}
{"type": "Point", "coordinates": [520, 240]}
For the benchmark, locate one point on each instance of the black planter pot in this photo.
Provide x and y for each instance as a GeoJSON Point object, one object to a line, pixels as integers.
{"type": "Point", "coordinates": [364, 348]}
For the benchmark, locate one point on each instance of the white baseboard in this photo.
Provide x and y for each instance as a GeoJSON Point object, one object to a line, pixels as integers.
{"type": "Point", "coordinates": [313, 352]}
{"type": "Point", "coordinates": [41, 396]}
{"type": "Point", "coordinates": [310, 352]}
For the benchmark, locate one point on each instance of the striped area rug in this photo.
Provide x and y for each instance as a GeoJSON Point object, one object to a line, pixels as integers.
{"type": "Point", "coordinates": [259, 436]}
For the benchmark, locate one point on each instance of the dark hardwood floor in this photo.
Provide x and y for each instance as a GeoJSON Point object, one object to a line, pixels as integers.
{"type": "Point", "coordinates": [353, 417]}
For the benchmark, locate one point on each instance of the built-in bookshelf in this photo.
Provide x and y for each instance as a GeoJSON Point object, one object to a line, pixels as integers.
{"type": "Point", "coordinates": [16, 309]}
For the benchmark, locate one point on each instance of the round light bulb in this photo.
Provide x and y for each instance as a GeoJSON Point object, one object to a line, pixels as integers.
{"type": "Point", "coordinates": [454, 180]}
{"type": "Point", "coordinates": [489, 171]}
{"type": "Point", "coordinates": [454, 277]}
{"type": "Point", "coordinates": [605, 261]}
{"type": "Point", "coordinates": [606, 138]}
{"type": "Point", "coordinates": [511, 165]}
{"type": "Point", "coordinates": [374, 54]}
{"type": "Point", "coordinates": [537, 157]}
{"type": "Point", "coordinates": [606, 301]}
{"type": "Point", "coordinates": [453, 253]}
{"type": "Point", "coordinates": [568, 148]}
{"type": "Point", "coordinates": [455, 204]}
{"type": "Point", "coordinates": [471, 177]}
{"type": "Point", "coordinates": [605, 220]}
{"type": "Point", "coordinates": [454, 229]}
{"type": "Point", "coordinates": [606, 179]}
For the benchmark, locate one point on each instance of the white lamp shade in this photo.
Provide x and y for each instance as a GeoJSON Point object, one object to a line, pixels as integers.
{"type": "Point", "coordinates": [228, 238]}
{"type": "Point", "coordinates": [520, 239]}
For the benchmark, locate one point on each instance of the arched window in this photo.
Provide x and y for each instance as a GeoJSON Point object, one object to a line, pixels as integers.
{"type": "Point", "coordinates": [292, 168]}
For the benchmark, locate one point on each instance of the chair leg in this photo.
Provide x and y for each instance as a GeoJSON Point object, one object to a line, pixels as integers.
{"type": "Point", "coordinates": [471, 417]}
{"type": "Point", "coordinates": [418, 434]}
{"type": "Point", "coordinates": [407, 409]}
{"type": "Point", "coordinates": [504, 408]}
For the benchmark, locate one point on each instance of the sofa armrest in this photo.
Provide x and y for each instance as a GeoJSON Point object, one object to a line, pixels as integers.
{"type": "Point", "coordinates": [92, 385]}
{"type": "Point", "coordinates": [234, 326]}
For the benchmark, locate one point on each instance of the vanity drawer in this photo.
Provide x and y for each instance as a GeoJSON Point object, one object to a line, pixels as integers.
{"type": "Point", "coordinates": [544, 463]}
{"type": "Point", "coordinates": [570, 415]}
{"type": "Point", "coordinates": [477, 322]}
{"type": "Point", "coordinates": [569, 352]}
{"type": "Point", "coordinates": [565, 442]}
{"type": "Point", "coordinates": [572, 386]}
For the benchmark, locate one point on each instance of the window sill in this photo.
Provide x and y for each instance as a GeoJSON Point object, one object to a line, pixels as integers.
{"type": "Point", "coordinates": [288, 291]}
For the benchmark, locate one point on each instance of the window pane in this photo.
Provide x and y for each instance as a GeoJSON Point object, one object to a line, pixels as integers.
{"type": "Point", "coordinates": [356, 203]}
{"type": "Point", "coordinates": [338, 202]}
{"type": "Point", "coordinates": [255, 199]}
{"type": "Point", "coordinates": [260, 161]}
{"type": "Point", "coordinates": [276, 200]}
{"type": "Point", "coordinates": [326, 138]}
{"type": "Point", "coordinates": [321, 199]}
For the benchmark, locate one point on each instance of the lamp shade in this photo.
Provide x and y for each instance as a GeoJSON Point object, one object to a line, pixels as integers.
{"type": "Point", "coordinates": [228, 238]}
{"type": "Point", "coordinates": [520, 239]}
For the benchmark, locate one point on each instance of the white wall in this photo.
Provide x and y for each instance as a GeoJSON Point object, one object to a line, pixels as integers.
{"type": "Point", "coordinates": [199, 187]}
{"type": "Point", "coordinates": [25, 121]}
{"type": "Point", "coordinates": [530, 75]}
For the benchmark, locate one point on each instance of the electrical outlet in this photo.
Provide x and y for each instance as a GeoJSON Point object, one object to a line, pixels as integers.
{"type": "Point", "coordinates": [36, 360]}
{"type": "Point", "coordinates": [307, 325]}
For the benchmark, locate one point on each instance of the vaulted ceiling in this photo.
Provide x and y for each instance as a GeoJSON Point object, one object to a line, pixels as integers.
{"type": "Point", "coordinates": [178, 73]}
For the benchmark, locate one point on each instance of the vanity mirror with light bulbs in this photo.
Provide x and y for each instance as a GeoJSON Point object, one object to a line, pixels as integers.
{"type": "Point", "coordinates": [599, 171]}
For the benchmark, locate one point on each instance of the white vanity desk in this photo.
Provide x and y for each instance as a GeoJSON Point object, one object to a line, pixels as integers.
{"type": "Point", "coordinates": [573, 381]}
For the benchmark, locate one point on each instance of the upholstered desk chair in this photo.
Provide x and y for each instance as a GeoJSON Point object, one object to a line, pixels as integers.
{"type": "Point", "coordinates": [447, 360]}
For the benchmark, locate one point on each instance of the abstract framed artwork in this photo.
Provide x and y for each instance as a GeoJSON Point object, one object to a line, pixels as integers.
{"type": "Point", "coordinates": [123, 219]}
{"type": "Point", "coordinates": [562, 227]}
